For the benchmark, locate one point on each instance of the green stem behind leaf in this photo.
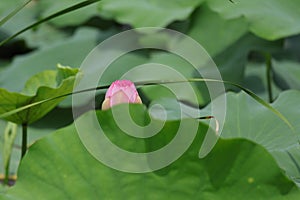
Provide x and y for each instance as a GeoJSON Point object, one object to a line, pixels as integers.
{"type": "Point", "coordinates": [24, 140]}
{"type": "Point", "coordinates": [269, 75]}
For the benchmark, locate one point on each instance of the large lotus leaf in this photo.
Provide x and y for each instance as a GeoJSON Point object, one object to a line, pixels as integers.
{"type": "Point", "coordinates": [147, 13]}
{"type": "Point", "coordinates": [269, 19]}
{"type": "Point", "coordinates": [42, 86]}
{"type": "Point", "coordinates": [247, 119]}
{"type": "Point", "coordinates": [213, 32]}
{"type": "Point", "coordinates": [59, 167]}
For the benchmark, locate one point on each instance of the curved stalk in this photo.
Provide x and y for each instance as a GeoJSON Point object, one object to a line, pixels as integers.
{"type": "Point", "coordinates": [157, 82]}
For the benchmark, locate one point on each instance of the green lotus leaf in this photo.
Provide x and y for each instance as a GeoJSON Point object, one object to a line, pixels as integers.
{"type": "Point", "coordinates": [42, 86]}
{"type": "Point", "coordinates": [151, 13]}
{"type": "Point", "coordinates": [60, 167]}
{"type": "Point", "coordinates": [245, 118]}
{"type": "Point", "coordinates": [269, 19]}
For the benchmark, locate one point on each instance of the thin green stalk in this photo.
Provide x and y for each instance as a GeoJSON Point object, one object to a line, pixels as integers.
{"type": "Point", "coordinates": [24, 140]}
{"type": "Point", "coordinates": [13, 13]}
{"type": "Point", "coordinates": [57, 14]}
{"type": "Point", "coordinates": [155, 82]}
{"type": "Point", "coordinates": [269, 76]}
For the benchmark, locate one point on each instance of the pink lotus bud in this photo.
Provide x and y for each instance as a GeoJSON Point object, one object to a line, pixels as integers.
{"type": "Point", "coordinates": [121, 91]}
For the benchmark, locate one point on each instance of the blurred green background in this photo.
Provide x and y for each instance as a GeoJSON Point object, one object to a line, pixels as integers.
{"type": "Point", "coordinates": [242, 37]}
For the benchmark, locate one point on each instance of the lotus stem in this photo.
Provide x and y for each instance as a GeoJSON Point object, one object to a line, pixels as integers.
{"type": "Point", "coordinates": [24, 140]}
